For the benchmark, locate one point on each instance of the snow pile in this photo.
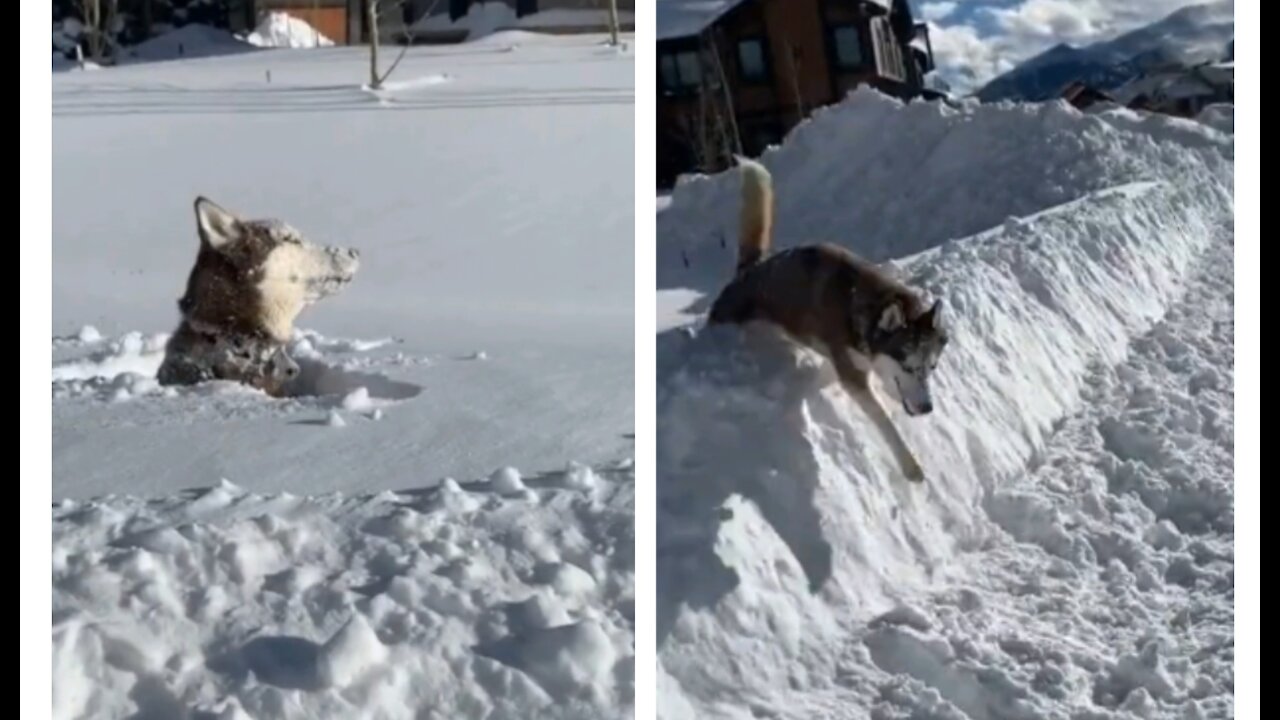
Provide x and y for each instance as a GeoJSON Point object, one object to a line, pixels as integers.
{"type": "Point", "coordinates": [1221, 117]}
{"type": "Point", "coordinates": [904, 178]}
{"type": "Point", "coordinates": [131, 354]}
{"type": "Point", "coordinates": [189, 41]}
{"type": "Point", "coordinates": [282, 30]}
{"type": "Point", "coordinates": [457, 600]}
{"type": "Point", "coordinates": [800, 576]}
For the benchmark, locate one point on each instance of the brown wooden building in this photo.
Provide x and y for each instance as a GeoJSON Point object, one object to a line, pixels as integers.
{"type": "Point", "coordinates": [1082, 96]}
{"type": "Point", "coordinates": [735, 75]}
{"type": "Point", "coordinates": [546, 16]}
{"type": "Point", "coordinates": [1180, 90]}
{"type": "Point", "coordinates": [343, 21]}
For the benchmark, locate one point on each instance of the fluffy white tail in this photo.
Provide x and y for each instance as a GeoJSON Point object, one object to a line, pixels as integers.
{"type": "Point", "coordinates": [755, 225]}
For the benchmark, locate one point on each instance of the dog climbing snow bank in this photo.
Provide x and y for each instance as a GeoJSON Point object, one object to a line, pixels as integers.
{"type": "Point", "coordinates": [783, 525]}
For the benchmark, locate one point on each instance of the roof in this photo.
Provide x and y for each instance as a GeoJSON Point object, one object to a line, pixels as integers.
{"type": "Point", "coordinates": [686, 18]}
{"type": "Point", "coordinates": [1078, 91]}
{"type": "Point", "coordinates": [1184, 83]}
{"type": "Point", "coordinates": [1219, 73]}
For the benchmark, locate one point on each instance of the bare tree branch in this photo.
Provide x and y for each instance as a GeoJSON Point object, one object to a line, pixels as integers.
{"type": "Point", "coordinates": [793, 68]}
{"type": "Point", "coordinates": [371, 18]}
{"type": "Point", "coordinates": [613, 22]}
{"type": "Point", "coordinates": [377, 79]}
{"type": "Point", "coordinates": [315, 22]}
{"type": "Point", "coordinates": [734, 136]}
{"type": "Point", "coordinates": [98, 29]}
{"type": "Point", "coordinates": [91, 16]}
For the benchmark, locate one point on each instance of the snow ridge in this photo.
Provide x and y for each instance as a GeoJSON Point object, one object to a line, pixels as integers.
{"type": "Point", "coordinates": [783, 526]}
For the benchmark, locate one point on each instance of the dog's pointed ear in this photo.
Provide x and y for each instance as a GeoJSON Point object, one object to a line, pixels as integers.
{"type": "Point", "coordinates": [218, 226]}
{"type": "Point", "coordinates": [891, 318]}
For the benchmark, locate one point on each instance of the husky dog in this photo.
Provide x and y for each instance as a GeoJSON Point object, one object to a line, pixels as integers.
{"type": "Point", "coordinates": [250, 281]}
{"type": "Point", "coordinates": [843, 306]}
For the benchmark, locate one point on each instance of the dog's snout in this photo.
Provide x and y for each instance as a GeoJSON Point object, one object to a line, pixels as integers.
{"type": "Point", "coordinates": [926, 407]}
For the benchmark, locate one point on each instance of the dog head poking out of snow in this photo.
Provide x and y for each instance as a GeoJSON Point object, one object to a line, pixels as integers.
{"type": "Point", "coordinates": [256, 275]}
{"type": "Point", "coordinates": [250, 281]}
{"type": "Point", "coordinates": [906, 352]}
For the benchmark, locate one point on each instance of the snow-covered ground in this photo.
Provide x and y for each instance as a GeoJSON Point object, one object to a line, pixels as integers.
{"type": "Point", "coordinates": [368, 546]}
{"type": "Point", "coordinates": [506, 598]}
{"type": "Point", "coordinates": [495, 296]}
{"type": "Point", "coordinates": [1070, 555]}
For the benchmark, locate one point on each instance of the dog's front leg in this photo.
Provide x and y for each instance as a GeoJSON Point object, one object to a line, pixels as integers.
{"type": "Point", "coordinates": [906, 459]}
{"type": "Point", "coordinates": [855, 381]}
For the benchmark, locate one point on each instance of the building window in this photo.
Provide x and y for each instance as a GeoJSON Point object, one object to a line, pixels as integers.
{"type": "Point", "coordinates": [887, 49]}
{"type": "Point", "coordinates": [757, 136]}
{"type": "Point", "coordinates": [752, 65]}
{"type": "Point", "coordinates": [680, 71]}
{"type": "Point", "coordinates": [846, 41]}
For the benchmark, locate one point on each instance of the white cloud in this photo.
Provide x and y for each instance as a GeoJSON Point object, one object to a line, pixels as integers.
{"type": "Point", "coordinates": [935, 11]}
{"type": "Point", "coordinates": [968, 57]}
{"type": "Point", "coordinates": [1051, 21]}
{"type": "Point", "coordinates": [964, 58]}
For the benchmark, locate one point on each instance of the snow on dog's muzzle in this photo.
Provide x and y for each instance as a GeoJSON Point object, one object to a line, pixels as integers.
{"type": "Point", "coordinates": [340, 266]}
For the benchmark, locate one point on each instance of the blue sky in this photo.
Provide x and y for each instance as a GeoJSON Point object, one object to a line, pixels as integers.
{"type": "Point", "coordinates": [975, 40]}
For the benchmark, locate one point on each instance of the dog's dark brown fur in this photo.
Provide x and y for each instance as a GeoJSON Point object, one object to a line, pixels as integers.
{"type": "Point", "coordinates": [250, 280]}
{"type": "Point", "coordinates": [827, 298]}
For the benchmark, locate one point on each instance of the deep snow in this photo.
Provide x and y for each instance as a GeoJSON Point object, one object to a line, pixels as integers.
{"type": "Point", "coordinates": [502, 598]}
{"type": "Point", "coordinates": [1070, 553]}
{"type": "Point", "coordinates": [481, 237]}
{"type": "Point", "coordinates": [366, 548]}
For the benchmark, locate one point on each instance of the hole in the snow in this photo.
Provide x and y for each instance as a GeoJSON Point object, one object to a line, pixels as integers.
{"type": "Point", "coordinates": [317, 379]}
{"type": "Point", "coordinates": [125, 368]}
